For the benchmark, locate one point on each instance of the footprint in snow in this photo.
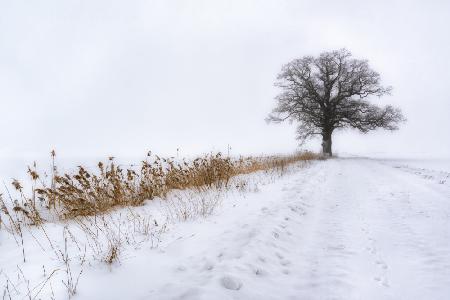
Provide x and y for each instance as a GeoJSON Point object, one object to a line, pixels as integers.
{"type": "Point", "coordinates": [208, 266]}
{"type": "Point", "coordinates": [231, 283]}
{"type": "Point", "coordinates": [382, 281]}
{"type": "Point", "coordinates": [285, 262]}
{"type": "Point", "coordinates": [181, 268]}
{"type": "Point", "coordinates": [381, 264]}
{"type": "Point", "coordinates": [259, 272]}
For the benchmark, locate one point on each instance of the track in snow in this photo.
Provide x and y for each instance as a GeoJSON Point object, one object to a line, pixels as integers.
{"type": "Point", "coordinates": [340, 229]}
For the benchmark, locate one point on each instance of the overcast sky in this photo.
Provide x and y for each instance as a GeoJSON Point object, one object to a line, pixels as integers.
{"type": "Point", "coordinates": [98, 78]}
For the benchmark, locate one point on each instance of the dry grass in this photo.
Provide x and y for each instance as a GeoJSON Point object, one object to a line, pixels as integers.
{"type": "Point", "coordinates": [195, 186]}
{"type": "Point", "coordinates": [92, 192]}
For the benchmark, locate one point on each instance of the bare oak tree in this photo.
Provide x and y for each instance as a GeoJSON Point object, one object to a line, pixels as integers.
{"type": "Point", "coordinates": [331, 92]}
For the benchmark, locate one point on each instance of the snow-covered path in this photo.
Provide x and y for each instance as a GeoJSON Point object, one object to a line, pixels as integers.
{"type": "Point", "coordinates": [340, 229]}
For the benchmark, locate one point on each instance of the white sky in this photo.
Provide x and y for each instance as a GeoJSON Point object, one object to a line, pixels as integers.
{"type": "Point", "coordinates": [98, 78]}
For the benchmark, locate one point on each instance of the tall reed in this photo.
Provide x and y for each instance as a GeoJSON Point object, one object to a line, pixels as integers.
{"type": "Point", "coordinates": [91, 192]}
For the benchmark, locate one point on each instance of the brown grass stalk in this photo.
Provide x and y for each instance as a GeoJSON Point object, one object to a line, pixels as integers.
{"type": "Point", "coordinates": [92, 192]}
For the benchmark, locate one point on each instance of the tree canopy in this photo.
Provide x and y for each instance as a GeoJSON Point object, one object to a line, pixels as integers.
{"type": "Point", "coordinates": [329, 92]}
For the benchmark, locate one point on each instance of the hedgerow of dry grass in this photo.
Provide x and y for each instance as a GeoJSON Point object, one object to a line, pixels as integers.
{"type": "Point", "coordinates": [87, 193]}
{"type": "Point", "coordinates": [84, 193]}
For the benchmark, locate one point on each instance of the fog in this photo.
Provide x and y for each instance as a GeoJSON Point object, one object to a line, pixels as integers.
{"type": "Point", "coordinates": [98, 78]}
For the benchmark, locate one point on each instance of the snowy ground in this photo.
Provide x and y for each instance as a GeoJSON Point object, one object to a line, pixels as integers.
{"type": "Point", "coordinates": [349, 228]}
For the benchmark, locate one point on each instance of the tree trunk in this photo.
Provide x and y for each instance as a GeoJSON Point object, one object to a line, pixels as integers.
{"type": "Point", "coordinates": [326, 144]}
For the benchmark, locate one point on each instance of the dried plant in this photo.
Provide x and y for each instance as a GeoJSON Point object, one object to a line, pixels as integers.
{"type": "Point", "coordinates": [195, 186]}
{"type": "Point", "coordinates": [92, 192]}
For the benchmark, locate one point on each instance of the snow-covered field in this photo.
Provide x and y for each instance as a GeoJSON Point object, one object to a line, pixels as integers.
{"type": "Point", "coordinates": [347, 228]}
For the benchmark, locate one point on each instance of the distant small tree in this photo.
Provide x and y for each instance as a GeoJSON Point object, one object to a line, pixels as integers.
{"type": "Point", "coordinates": [331, 92]}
